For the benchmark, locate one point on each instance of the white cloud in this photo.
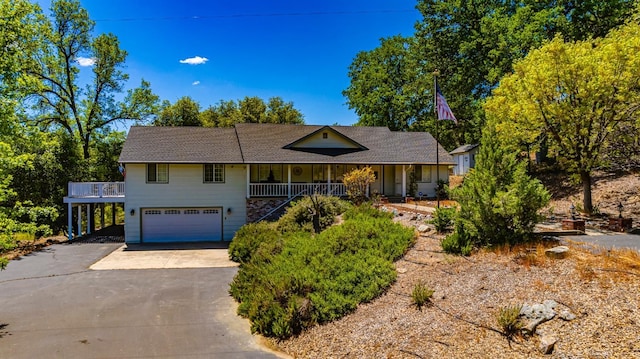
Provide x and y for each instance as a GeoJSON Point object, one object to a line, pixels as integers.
{"type": "Point", "coordinates": [194, 60]}
{"type": "Point", "coordinates": [196, 83]}
{"type": "Point", "coordinates": [86, 61]}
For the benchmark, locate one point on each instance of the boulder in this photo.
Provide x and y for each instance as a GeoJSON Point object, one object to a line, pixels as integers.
{"type": "Point", "coordinates": [558, 252]}
{"type": "Point", "coordinates": [547, 344]}
{"type": "Point", "coordinates": [423, 228]}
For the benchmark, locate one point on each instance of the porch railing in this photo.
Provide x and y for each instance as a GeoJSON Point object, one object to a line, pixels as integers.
{"type": "Point", "coordinates": [282, 189]}
{"type": "Point", "coordinates": [96, 189]}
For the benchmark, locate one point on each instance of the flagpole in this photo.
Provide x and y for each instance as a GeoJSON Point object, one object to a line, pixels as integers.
{"type": "Point", "coordinates": [435, 111]}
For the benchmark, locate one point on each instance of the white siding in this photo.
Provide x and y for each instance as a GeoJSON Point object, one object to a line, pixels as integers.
{"type": "Point", "coordinates": [428, 189]}
{"type": "Point", "coordinates": [186, 189]}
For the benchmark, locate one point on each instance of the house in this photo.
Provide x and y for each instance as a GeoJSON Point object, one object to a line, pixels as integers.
{"type": "Point", "coordinates": [464, 158]}
{"type": "Point", "coordinates": [203, 184]}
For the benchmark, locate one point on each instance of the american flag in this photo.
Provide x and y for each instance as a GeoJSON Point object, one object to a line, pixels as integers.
{"type": "Point", "coordinates": [442, 108]}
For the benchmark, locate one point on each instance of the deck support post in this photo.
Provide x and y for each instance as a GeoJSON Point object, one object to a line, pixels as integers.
{"type": "Point", "coordinates": [79, 220]}
{"type": "Point", "coordinates": [89, 219]}
{"type": "Point", "coordinates": [113, 213]}
{"type": "Point", "coordinates": [70, 221]}
{"type": "Point", "coordinates": [101, 215]}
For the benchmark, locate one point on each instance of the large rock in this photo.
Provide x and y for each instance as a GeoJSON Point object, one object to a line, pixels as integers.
{"type": "Point", "coordinates": [558, 252]}
{"type": "Point", "coordinates": [547, 344]}
{"type": "Point", "coordinates": [537, 314]}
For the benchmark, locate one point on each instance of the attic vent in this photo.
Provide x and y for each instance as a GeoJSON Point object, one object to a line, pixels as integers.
{"type": "Point", "coordinates": [325, 135]}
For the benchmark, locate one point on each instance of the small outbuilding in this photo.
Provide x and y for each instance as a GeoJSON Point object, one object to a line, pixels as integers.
{"type": "Point", "coordinates": [464, 158]}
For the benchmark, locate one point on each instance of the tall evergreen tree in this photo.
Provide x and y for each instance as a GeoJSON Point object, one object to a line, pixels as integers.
{"type": "Point", "coordinates": [499, 202]}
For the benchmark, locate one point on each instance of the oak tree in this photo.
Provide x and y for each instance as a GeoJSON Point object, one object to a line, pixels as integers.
{"type": "Point", "coordinates": [575, 93]}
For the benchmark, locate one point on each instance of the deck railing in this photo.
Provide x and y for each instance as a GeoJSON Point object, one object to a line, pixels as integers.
{"type": "Point", "coordinates": [282, 189]}
{"type": "Point", "coordinates": [96, 189]}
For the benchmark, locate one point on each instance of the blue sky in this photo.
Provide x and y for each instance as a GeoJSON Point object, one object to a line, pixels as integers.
{"type": "Point", "coordinates": [298, 50]}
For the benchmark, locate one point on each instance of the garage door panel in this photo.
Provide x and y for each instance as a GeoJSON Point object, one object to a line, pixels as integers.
{"type": "Point", "coordinates": [181, 224]}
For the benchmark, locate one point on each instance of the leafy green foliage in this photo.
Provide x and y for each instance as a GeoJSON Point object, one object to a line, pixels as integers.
{"type": "Point", "coordinates": [251, 110]}
{"type": "Point", "coordinates": [300, 280]}
{"type": "Point", "coordinates": [576, 94]}
{"type": "Point", "coordinates": [365, 210]}
{"type": "Point", "coordinates": [357, 182]}
{"type": "Point", "coordinates": [443, 218]}
{"type": "Point", "coordinates": [458, 242]}
{"type": "Point", "coordinates": [248, 239]}
{"type": "Point", "coordinates": [382, 90]}
{"type": "Point", "coordinates": [499, 202]}
{"type": "Point", "coordinates": [421, 295]}
{"type": "Point", "coordinates": [442, 189]}
{"type": "Point", "coordinates": [473, 44]}
{"type": "Point", "coordinates": [185, 112]}
{"type": "Point", "coordinates": [60, 100]}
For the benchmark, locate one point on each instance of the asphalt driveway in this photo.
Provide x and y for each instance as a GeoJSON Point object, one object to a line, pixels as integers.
{"type": "Point", "coordinates": [53, 306]}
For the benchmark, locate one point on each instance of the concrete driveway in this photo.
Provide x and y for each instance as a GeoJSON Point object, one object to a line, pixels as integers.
{"type": "Point", "coordinates": [53, 306]}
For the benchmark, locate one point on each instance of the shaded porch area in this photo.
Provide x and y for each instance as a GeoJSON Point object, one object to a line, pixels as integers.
{"type": "Point", "coordinates": [293, 180]}
{"type": "Point", "coordinates": [88, 195]}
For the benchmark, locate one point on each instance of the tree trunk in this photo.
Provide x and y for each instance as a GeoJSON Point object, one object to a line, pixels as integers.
{"type": "Point", "coordinates": [585, 177]}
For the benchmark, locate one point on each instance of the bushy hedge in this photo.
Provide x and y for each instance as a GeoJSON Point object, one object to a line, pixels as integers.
{"type": "Point", "coordinates": [249, 237]}
{"type": "Point", "coordinates": [313, 279]}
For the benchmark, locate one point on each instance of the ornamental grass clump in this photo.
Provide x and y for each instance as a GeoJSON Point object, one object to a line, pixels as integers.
{"type": "Point", "coordinates": [508, 318]}
{"type": "Point", "coordinates": [421, 295]}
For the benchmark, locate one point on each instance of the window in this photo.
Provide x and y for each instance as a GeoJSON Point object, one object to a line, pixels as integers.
{"type": "Point", "coordinates": [157, 173]}
{"type": "Point", "coordinates": [422, 173]}
{"type": "Point", "coordinates": [417, 173]}
{"type": "Point", "coordinates": [325, 135]}
{"type": "Point", "coordinates": [213, 173]}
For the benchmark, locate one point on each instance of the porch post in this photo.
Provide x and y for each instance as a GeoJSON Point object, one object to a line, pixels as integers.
{"type": "Point", "coordinates": [79, 220]}
{"type": "Point", "coordinates": [248, 181]}
{"type": "Point", "coordinates": [70, 221]}
{"type": "Point", "coordinates": [329, 192]}
{"type": "Point", "coordinates": [88, 218]}
{"type": "Point", "coordinates": [404, 182]}
{"type": "Point", "coordinates": [289, 181]}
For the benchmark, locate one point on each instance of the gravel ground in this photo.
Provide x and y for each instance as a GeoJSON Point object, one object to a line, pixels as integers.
{"type": "Point", "coordinates": [601, 290]}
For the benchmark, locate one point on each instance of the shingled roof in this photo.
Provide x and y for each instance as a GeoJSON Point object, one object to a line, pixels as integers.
{"type": "Point", "coordinates": [181, 145]}
{"type": "Point", "coordinates": [463, 149]}
{"type": "Point", "coordinates": [268, 143]}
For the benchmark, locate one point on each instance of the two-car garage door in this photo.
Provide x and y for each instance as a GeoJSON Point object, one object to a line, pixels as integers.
{"type": "Point", "coordinates": [181, 224]}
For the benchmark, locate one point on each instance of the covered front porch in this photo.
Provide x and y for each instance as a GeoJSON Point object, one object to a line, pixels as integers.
{"type": "Point", "coordinates": [88, 194]}
{"type": "Point", "coordinates": [293, 180]}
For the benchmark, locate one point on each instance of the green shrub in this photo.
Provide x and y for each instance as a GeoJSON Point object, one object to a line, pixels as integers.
{"type": "Point", "coordinates": [248, 239]}
{"type": "Point", "coordinates": [3, 263]}
{"type": "Point", "coordinates": [499, 202]}
{"type": "Point", "coordinates": [509, 320]}
{"type": "Point", "coordinates": [421, 295]}
{"type": "Point", "coordinates": [457, 242]}
{"type": "Point", "coordinates": [366, 209]}
{"type": "Point", "coordinates": [309, 279]}
{"type": "Point", "coordinates": [443, 218]}
{"type": "Point", "coordinates": [442, 189]}
{"type": "Point", "coordinates": [299, 216]}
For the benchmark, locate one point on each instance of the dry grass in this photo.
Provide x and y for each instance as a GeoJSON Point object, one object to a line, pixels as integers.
{"type": "Point", "coordinates": [600, 287]}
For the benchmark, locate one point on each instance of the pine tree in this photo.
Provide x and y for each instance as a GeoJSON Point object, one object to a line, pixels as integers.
{"type": "Point", "coordinates": [499, 201]}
